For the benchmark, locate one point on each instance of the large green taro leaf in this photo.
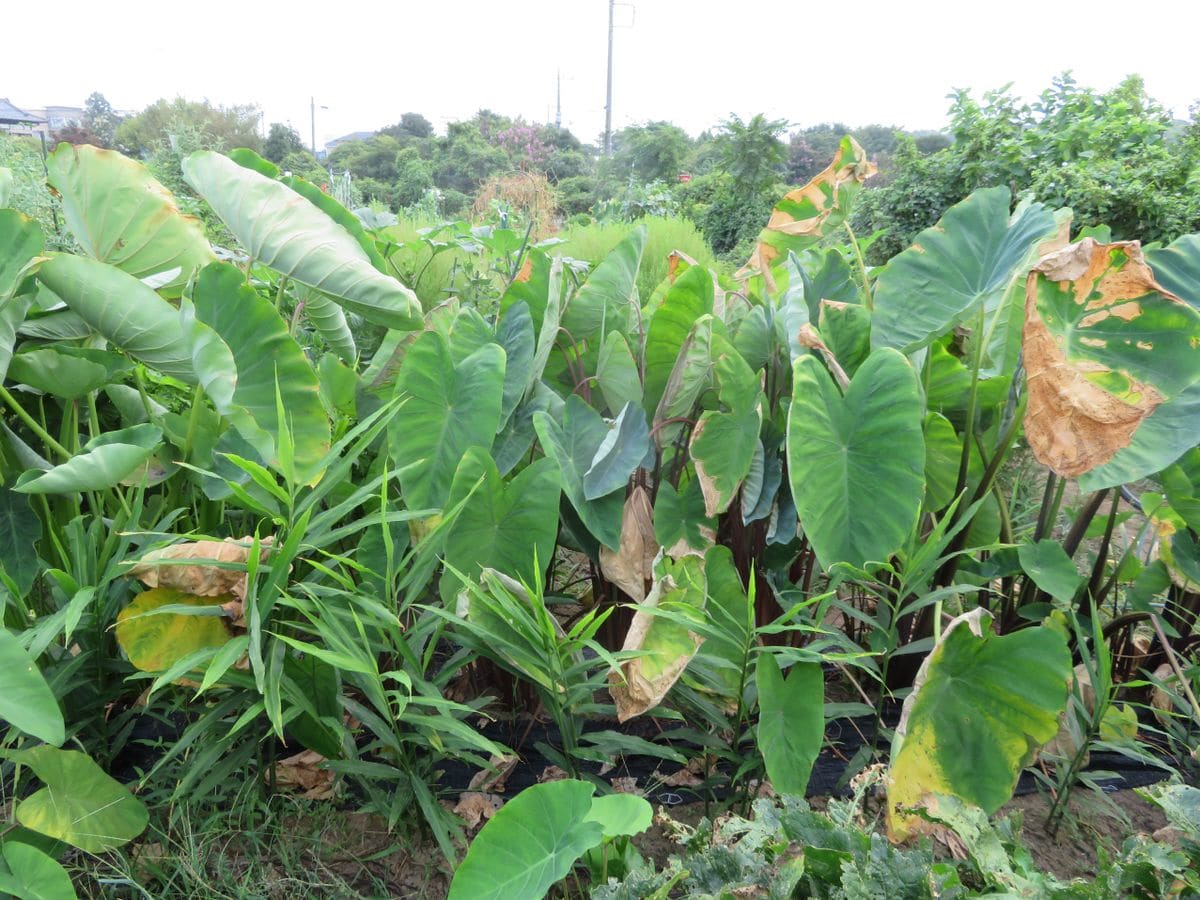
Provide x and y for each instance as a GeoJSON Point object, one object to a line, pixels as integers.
{"type": "Point", "coordinates": [507, 527]}
{"type": "Point", "coordinates": [20, 529]}
{"type": "Point", "coordinates": [665, 645]}
{"type": "Point", "coordinates": [529, 844]}
{"type": "Point", "coordinates": [623, 449]}
{"type": "Point", "coordinates": [330, 322]}
{"type": "Point", "coordinates": [282, 230]}
{"type": "Point", "coordinates": [791, 721]}
{"type": "Point", "coordinates": [969, 257]}
{"type": "Point", "coordinates": [1176, 267]}
{"type": "Point", "coordinates": [155, 641]}
{"type": "Point", "coordinates": [252, 368]}
{"type": "Point", "coordinates": [80, 804]}
{"type": "Point", "coordinates": [104, 462]}
{"type": "Point", "coordinates": [123, 310]}
{"type": "Point", "coordinates": [21, 243]}
{"type": "Point", "coordinates": [856, 463]}
{"type": "Point", "coordinates": [514, 332]}
{"type": "Point", "coordinates": [1106, 349]}
{"type": "Point", "coordinates": [446, 410]}
{"type": "Point", "coordinates": [33, 875]}
{"type": "Point", "coordinates": [723, 442]}
{"type": "Point", "coordinates": [689, 298]}
{"type": "Point", "coordinates": [617, 374]}
{"type": "Point", "coordinates": [65, 371]}
{"type": "Point", "coordinates": [26, 701]}
{"type": "Point", "coordinates": [122, 216]}
{"type": "Point", "coordinates": [681, 525]}
{"type": "Point", "coordinates": [573, 445]}
{"type": "Point", "coordinates": [981, 707]}
{"type": "Point", "coordinates": [606, 299]}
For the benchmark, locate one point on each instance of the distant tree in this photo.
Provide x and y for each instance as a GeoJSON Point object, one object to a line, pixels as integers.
{"type": "Point", "coordinates": [465, 157]}
{"type": "Point", "coordinates": [414, 177]}
{"type": "Point", "coordinates": [100, 120]}
{"type": "Point", "coordinates": [655, 151]}
{"type": "Point", "coordinates": [281, 140]}
{"type": "Point", "coordinates": [213, 127]}
{"type": "Point", "coordinates": [411, 126]}
{"type": "Point", "coordinates": [77, 134]}
{"type": "Point", "coordinates": [752, 152]}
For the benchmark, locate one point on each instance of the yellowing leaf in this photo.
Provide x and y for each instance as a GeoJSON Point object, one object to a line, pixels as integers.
{"type": "Point", "coordinates": [804, 216]}
{"type": "Point", "coordinates": [156, 641]}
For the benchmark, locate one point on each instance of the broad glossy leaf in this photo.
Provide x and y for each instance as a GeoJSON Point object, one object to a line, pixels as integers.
{"type": "Point", "coordinates": [573, 445]}
{"type": "Point", "coordinates": [665, 646]}
{"type": "Point", "coordinates": [122, 216]}
{"type": "Point", "coordinates": [681, 525]}
{"type": "Point", "coordinates": [689, 298]}
{"type": "Point", "coordinates": [127, 313]}
{"type": "Point", "coordinates": [446, 410]}
{"type": "Point", "coordinates": [104, 462]}
{"type": "Point", "coordinates": [609, 295]}
{"type": "Point", "coordinates": [856, 463]}
{"type": "Point", "coordinates": [80, 804]}
{"type": "Point", "coordinates": [21, 243]}
{"type": "Point", "coordinates": [723, 443]}
{"type": "Point", "coordinates": [617, 374]}
{"type": "Point", "coordinates": [156, 641]}
{"type": "Point", "coordinates": [514, 334]}
{"type": "Point", "coordinates": [619, 454]}
{"type": "Point", "coordinates": [26, 701]}
{"type": "Point", "coordinates": [515, 438]}
{"type": "Point", "coordinates": [339, 214]}
{"type": "Point", "coordinates": [1051, 569]}
{"type": "Point", "coordinates": [969, 258]}
{"type": "Point", "coordinates": [730, 615]}
{"type": "Point", "coordinates": [529, 844]}
{"type": "Point", "coordinates": [1105, 346]}
{"type": "Point", "coordinates": [265, 359]}
{"type": "Point", "coordinates": [981, 706]}
{"type": "Point", "coordinates": [1176, 267]}
{"type": "Point", "coordinates": [507, 527]}
{"type": "Point", "coordinates": [34, 875]}
{"type": "Point", "coordinates": [12, 314]}
{"type": "Point", "coordinates": [330, 322]}
{"type": "Point", "coordinates": [20, 529]}
{"type": "Point", "coordinates": [791, 721]}
{"type": "Point", "coordinates": [65, 371]}
{"type": "Point", "coordinates": [806, 215]}
{"type": "Point", "coordinates": [621, 814]}
{"type": "Point", "coordinates": [284, 231]}
{"type": "Point", "coordinates": [846, 328]}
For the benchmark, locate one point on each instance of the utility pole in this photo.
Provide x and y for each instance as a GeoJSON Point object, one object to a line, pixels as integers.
{"type": "Point", "coordinates": [608, 102]}
{"type": "Point", "coordinates": [312, 120]}
{"type": "Point", "coordinates": [558, 99]}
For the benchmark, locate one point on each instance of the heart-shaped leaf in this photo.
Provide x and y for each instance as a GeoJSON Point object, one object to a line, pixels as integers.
{"type": "Point", "coordinates": [155, 641]}
{"type": "Point", "coordinates": [105, 462]}
{"type": "Point", "coordinates": [969, 258]}
{"type": "Point", "coordinates": [791, 721]}
{"type": "Point", "coordinates": [507, 527]}
{"type": "Point", "coordinates": [981, 705]}
{"type": "Point", "coordinates": [446, 409]}
{"type": "Point", "coordinates": [286, 232]}
{"type": "Point", "coordinates": [80, 803]}
{"type": "Point", "coordinates": [122, 216]}
{"type": "Point", "coordinates": [619, 454]}
{"type": "Point", "coordinates": [856, 463]}
{"type": "Point", "coordinates": [724, 442]}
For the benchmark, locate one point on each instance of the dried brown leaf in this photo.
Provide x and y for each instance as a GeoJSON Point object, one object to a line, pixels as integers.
{"type": "Point", "coordinates": [302, 773]}
{"type": "Point", "coordinates": [631, 566]}
{"type": "Point", "coordinates": [493, 779]}
{"type": "Point", "coordinates": [160, 568]}
{"type": "Point", "coordinates": [1072, 424]}
{"type": "Point", "coordinates": [476, 807]}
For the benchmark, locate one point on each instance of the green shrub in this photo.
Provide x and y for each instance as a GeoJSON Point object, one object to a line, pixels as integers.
{"type": "Point", "coordinates": [593, 242]}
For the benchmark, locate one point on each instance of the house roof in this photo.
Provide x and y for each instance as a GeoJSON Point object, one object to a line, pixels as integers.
{"type": "Point", "coordinates": [11, 115]}
{"type": "Point", "coordinates": [352, 136]}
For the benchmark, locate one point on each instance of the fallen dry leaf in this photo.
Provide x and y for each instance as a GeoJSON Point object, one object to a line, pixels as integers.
{"type": "Point", "coordinates": [303, 773]}
{"type": "Point", "coordinates": [492, 780]}
{"type": "Point", "coordinates": [475, 807]}
{"type": "Point", "coordinates": [552, 773]}
{"type": "Point", "coordinates": [627, 785]}
{"type": "Point", "coordinates": [164, 568]}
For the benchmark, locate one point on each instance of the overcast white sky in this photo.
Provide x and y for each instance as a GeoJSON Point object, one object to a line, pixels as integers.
{"type": "Point", "coordinates": [689, 62]}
